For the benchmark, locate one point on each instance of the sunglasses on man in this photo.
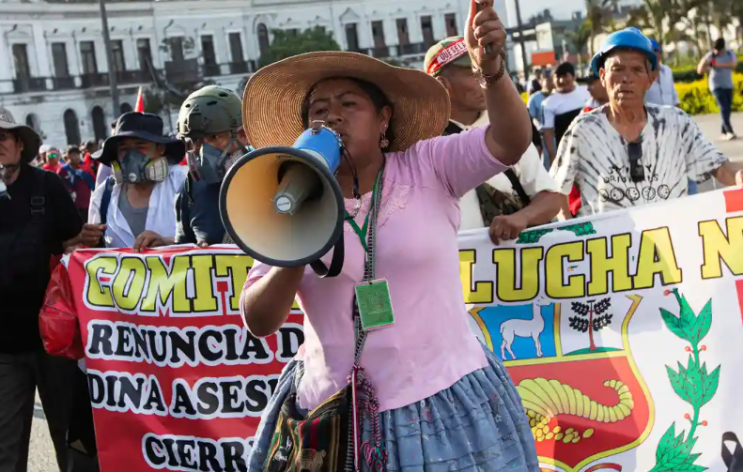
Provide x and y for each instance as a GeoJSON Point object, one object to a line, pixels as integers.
{"type": "Point", "coordinates": [636, 170]}
{"type": "Point", "coordinates": [52, 155]}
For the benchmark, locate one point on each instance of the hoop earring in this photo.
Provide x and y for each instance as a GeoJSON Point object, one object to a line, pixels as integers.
{"type": "Point", "coordinates": [384, 143]}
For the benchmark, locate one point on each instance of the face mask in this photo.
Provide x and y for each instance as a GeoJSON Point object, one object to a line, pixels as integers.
{"type": "Point", "coordinates": [211, 164]}
{"type": "Point", "coordinates": [136, 168]}
{"type": "Point", "coordinates": [5, 172]}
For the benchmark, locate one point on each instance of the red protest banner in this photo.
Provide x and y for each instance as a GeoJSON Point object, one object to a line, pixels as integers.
{"type": "Point", "coordinates": [176, 381]}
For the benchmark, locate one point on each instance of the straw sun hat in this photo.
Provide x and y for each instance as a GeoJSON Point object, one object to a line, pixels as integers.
{"type": "Point", "coordinates": [273, 97]}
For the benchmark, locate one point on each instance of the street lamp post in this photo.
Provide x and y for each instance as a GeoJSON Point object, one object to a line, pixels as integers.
{"type": "Point", "coordinates": [522, 41]}
{"type": "Point", "coordinates": [110, 57]}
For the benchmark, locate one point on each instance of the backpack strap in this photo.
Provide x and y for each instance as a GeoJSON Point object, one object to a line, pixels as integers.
{"type": "Point", "coordinates": [516, 184]}
{"type": "Point", "coordinates": [106, 199]}
{"type": "Point", "coordinates": [38, 200]}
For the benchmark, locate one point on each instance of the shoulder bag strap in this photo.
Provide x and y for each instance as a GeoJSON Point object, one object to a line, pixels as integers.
{"type": "Point", "coordinates": [336, 263]}
{"type": "Point", "coordinates": [106, 199]}
{"type": "Point", "coordinates": [517, 186]}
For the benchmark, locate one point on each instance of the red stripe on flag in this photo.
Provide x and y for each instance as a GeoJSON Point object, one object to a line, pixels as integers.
{"type": "Point", "coordinates": [734, 200]}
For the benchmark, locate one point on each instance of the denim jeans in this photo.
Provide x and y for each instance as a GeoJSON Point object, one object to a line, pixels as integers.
{"type": "Point", "coordinates": [724, 99]}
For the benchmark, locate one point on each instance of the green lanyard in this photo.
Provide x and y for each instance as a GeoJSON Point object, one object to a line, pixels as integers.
{"type": "Point", "coordinates": [363, 230]}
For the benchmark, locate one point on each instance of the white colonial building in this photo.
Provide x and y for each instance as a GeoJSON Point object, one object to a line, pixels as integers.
{"type": "Point", "coordinates": [54, 67]}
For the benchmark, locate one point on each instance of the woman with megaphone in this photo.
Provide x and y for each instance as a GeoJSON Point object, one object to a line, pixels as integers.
{"type": "Point", "coordinates": [390, 376]}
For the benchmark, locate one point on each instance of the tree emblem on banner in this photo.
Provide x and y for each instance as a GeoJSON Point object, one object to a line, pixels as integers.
{"type": "Point", "coordinates": [592, 317]}
{"type": "Point", "coordinates": [693, 383]}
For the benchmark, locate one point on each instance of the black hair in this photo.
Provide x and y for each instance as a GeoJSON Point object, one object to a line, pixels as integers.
{"type": "Point", "coordinates": [564, 69]}
{"type": "Point", "coordinates": [720, 44]}
{"type": "Point", "coordinates": [375, 94]}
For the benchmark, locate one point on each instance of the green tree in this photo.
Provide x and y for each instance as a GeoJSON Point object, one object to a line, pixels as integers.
{"type": "Point", "coordinates": [578, 39]}
{"type": "Point", "coordinates": [598, 15]}
{"type": "Point", "coordinates": [289, 43]}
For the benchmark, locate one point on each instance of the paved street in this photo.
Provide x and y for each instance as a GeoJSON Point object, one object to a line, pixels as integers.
{"type": "Point", "coordinates": [42, 454]}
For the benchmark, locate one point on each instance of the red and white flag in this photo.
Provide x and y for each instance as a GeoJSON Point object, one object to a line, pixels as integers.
{"type": "Point", "coordinates": [139, 107]}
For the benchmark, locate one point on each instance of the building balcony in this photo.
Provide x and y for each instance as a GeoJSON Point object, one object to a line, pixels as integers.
{"type": "Point", "coordinates": [63, 83]}
{"type": "Point", "coordinates": [231, 68]}
{"type": "Point", "coordinates": [212, 70]}
{"type": "Point", "coordinates": [93, 79]}
{"type": "Point", "coordinates": [187, 71]}
{"type": "Point", "coordinates": [380, 52]}
{"type": "Point", "coordinates": [239, 68]}
{"type": "Point", "coordinates": [132, 77]}
{"type": "Point", "coordinates": [413, 49]}
{"type": "Point", "coordinates": [29, 84]}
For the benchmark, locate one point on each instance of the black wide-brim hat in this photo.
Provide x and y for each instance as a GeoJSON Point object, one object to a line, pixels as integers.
{"type": "Point", "coordinates": [144, 126]}
{"type": "Point", "coordinates": [30, 138]}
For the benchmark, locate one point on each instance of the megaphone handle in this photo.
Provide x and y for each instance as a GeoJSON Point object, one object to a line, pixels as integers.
{"type": "Point", "coordinates": [336, 263]}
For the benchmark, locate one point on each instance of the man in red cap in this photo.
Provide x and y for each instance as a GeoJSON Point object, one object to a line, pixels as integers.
{"type": "Point", "coordinates": [523, 196]}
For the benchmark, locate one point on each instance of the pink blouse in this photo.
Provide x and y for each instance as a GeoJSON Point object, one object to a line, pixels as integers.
{"type": "Point", "coordinates": [430, 345]}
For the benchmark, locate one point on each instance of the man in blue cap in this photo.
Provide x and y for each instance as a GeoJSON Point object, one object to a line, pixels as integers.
{"type": "Point", "coordinates": [663, 90]}
{"type": "Point", "coordinates": [628, 153]}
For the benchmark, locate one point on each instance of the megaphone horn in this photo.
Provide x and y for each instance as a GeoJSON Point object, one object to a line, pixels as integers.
{"type": "Point", "coordinates": [283, 205]}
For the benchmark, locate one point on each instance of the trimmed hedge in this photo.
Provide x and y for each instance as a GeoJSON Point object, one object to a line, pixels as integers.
{"type": "Point", "coordinates": [689, 73]}
{"type": "Point", "coordinates": [696, 98]}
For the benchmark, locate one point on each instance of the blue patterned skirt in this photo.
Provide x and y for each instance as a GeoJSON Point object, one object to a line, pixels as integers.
{"type": "Point", "coordinates": [476, 425]}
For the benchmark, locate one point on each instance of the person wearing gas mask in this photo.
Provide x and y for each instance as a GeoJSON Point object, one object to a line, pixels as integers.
{"type": "Point", "coordinates": [136, 202]}
{"type": "Point", "coordinates": [210, 122]}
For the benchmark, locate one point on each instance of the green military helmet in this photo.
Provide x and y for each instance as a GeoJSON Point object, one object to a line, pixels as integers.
{"type": "Point", "coordinates": [210, 110]}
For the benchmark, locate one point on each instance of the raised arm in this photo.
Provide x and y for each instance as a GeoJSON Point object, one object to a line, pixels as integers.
{"type": "Point", "coordinates": [704, 65]}
{"type": "Point", "coordinates": [510, 129]}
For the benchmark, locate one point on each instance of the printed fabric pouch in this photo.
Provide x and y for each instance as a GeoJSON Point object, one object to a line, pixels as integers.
{"type": "Point", "coordinates": [319, 442]}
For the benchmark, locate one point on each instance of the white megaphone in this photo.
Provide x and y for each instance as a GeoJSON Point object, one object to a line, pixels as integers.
{"type": "Point", "coordinates": [283, 205]}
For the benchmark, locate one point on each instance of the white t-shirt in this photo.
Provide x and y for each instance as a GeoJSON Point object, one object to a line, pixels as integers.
{"type": "Point", "coordinates": [532, 175]}
{"type": "Point", "coordinates": [595, 156]}
{"type": "Point", "coordinates": [561, 103]}
{"type": "Point", "coordinates": [663, 91]}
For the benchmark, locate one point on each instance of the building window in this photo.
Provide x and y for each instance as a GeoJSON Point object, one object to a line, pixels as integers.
{"type": "Point", "coordinates": [451, 24]}
{"type": "Point", "coordinates": [294, 32]}
{"type": "Point", "coordinates": [207, 50]}
{"type": "Point", "coordinates": [176, 49]}
{"type": "Point", "coordinates": [32, 121]}
{"type": "Point", "coordinates": [20, 59]}
{"type": "Point", "coordinates": [144, 53]}
{"type": "Point", "coordinates": [87, 57]}
{"type": "Point", "coordinates": [59, 58]}
{"type": "Point", "coordinates": [402, 32]}
{"type": "Point", "coordinates": [236, 48]}
{"type": "Point", "coordinates": [352, 37]}
{"type": "Point", "coordinates": [71, 127]}
{"type": "Point", "coordinates": [378, 34]}
{"type": "Point", "coordinates": [99, 123]}
{"type": "Point", "coordinates": [427, 29]}
{"type": "Point", "coordinates": [117, 53]}
{"type": "Point", "coordinates": [263, 38]}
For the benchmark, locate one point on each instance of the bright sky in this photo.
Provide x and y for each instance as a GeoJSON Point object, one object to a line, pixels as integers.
{"type": "Point", "coordinates": [561, 10]}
